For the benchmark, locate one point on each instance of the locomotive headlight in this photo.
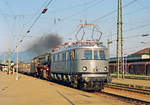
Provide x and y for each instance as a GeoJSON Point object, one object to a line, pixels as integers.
{"type": "Point", "coordinates": [84, 68]}
{"type": "Point", "coordinates": [105, 69]}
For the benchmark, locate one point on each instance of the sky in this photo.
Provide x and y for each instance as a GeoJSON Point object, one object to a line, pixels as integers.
{"type": "Point", "coordinates": [64, 16]}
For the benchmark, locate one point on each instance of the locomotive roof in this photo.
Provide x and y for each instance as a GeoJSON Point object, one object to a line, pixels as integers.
{"type": "Point", "coordinates": [75, 46]}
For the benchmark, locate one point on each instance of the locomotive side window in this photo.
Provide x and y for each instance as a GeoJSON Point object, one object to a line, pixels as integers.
{"type": "Point", "coordinates": [64, 56]}
{"type": "Point", "coordinates": [88, 54]}
{"type": "Point", "coordinates": [69, 56]}
{"type": "Point", "coordinates": [58, 57]}
{"type": "Point", "coordinates": [102, 54]}
{"type": "Point", "coordinates": [54, 58]}
{"type": "Point", "coordinates": [73, 54]}
{"type": "Point", "coordinates": [95, 54]}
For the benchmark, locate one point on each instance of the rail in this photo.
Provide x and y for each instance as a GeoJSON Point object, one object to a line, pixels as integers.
{"type": "Point", "coordinates": [139, 77]}
{"type": "Point", "coordinates": [128, 92]}
{"type": "Point", "coordinates": [128, 99]}
{"type": "Point", "coordinates": [130, 87]}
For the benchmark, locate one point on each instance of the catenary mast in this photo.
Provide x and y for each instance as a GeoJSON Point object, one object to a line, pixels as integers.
{"type": "Point", "coordinates": [120, 52]}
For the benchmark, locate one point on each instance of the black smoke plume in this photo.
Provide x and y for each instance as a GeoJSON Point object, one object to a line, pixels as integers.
{"type": "Point", "coordinates": [43, 44]}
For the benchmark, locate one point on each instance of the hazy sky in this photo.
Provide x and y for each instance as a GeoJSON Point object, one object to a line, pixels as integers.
{"type": "Point", "coordinates": [63, 17]}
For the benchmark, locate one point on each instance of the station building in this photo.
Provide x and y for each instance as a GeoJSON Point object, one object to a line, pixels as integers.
{"type": "Point", "coordinates": [136, 63]}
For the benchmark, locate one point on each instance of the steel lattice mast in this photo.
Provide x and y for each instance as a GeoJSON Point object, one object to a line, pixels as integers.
{"type": "Point", "coordinates": [120, 52]}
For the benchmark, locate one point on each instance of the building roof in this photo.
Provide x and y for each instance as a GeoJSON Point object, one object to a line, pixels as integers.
{"type": "Point", "coordinates": [142, 52]}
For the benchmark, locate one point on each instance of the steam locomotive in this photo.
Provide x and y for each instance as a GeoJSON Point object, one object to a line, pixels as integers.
{"type": "Point", "coordinates": [82, 64]}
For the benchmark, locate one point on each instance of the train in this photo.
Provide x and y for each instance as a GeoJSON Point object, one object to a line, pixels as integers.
{"type": "Point", "coordinates": [82, 64]}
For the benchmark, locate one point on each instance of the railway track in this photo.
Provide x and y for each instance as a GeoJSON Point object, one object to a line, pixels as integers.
{"type": "Point", "coordinates": [127, 99]}
{"type": "Point", "coordinates": [128, 88]}
{"type": "Point", "coordinates": [130, 95]}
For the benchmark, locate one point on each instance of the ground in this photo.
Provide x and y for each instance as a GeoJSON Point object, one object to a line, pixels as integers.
{"type": "Point", "coordinates": [32, 91]}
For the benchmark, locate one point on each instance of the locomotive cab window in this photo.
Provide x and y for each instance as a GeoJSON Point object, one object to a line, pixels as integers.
{"type": "Point", "coordinates": [88, 54]}
{"type": "Point", "coordinates": [95, 54]}
{"type": "Point", "coordinates": [102, 54]}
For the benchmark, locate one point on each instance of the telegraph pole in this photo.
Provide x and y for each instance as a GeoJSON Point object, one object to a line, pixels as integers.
{"type": "Point", "coordinates": [17, 60]}
{"type": "Point", "coordinates": [9, 55]}
{"type": "Point", "coordinates": [4, 62]}
{"type": "Point", "coordinates": [17, 57]}
{"type": "Point", "coordinates": [108, 46]}
{"type": "Point", "coordinates": [120, 53]}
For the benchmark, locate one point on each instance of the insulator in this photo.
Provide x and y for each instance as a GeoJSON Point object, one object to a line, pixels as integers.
{"type": "Point", "coordinates": [44, 10]}
{"type": "Point", "coordinates": [28, 31]}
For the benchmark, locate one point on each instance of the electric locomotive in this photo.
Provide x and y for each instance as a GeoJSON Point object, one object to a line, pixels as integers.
{"type": "Point", "coordinates": [82, 64]}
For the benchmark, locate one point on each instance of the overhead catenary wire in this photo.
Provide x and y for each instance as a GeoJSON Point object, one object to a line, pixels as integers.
{"type": "Point", "coordinates": [113, 11]}
{"type": "Point", "coordinates": [110, 13]}
{"type": "Point", "coordinates": [5, 19]}
{"type": "Point", "coordinates": [133, 12]}
{"type": "Point", "coordinates": [37, 12]}
{"type": "Point", "coordinates": [37, 18]}
{"type": "Point", "coordinates": [89, 5]}
{"type": "Point", "coordinates": [141, 26]}
{"type": "Point", "coordinates": [129, 13]}
{"type": "Point", "coordinates": [84, 10]}
{"type": "Point", "coordinates": [133, 36]}
{"type": "Point", "coordinates": [9, 7]}
{"type": "Point", "coordinates": [76, 6]}
{"type": "Point", "coordinates": [13, 15]}
{"type": "Point", "coordinates": [43, 12]}
{"type": "Point", "coordinates": [131, 29]}
{"type": "Point", "coordinates": [126, 5]}
{"type": "Point", "coordinates": [139, 45]}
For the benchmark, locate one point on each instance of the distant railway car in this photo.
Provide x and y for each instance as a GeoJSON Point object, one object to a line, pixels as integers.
{"type": "Point", "coordinates": [26, 68]}
{"type": "Point", "coordinates": [83, 64]}
{"type": "Point", "coordinates": [139, 68]}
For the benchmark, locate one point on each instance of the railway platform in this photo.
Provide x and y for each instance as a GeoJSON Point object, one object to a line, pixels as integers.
{"type": "Point", "coordinates": [134, 83]}
{"type": "Point", "coordinates": [33, 91]}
